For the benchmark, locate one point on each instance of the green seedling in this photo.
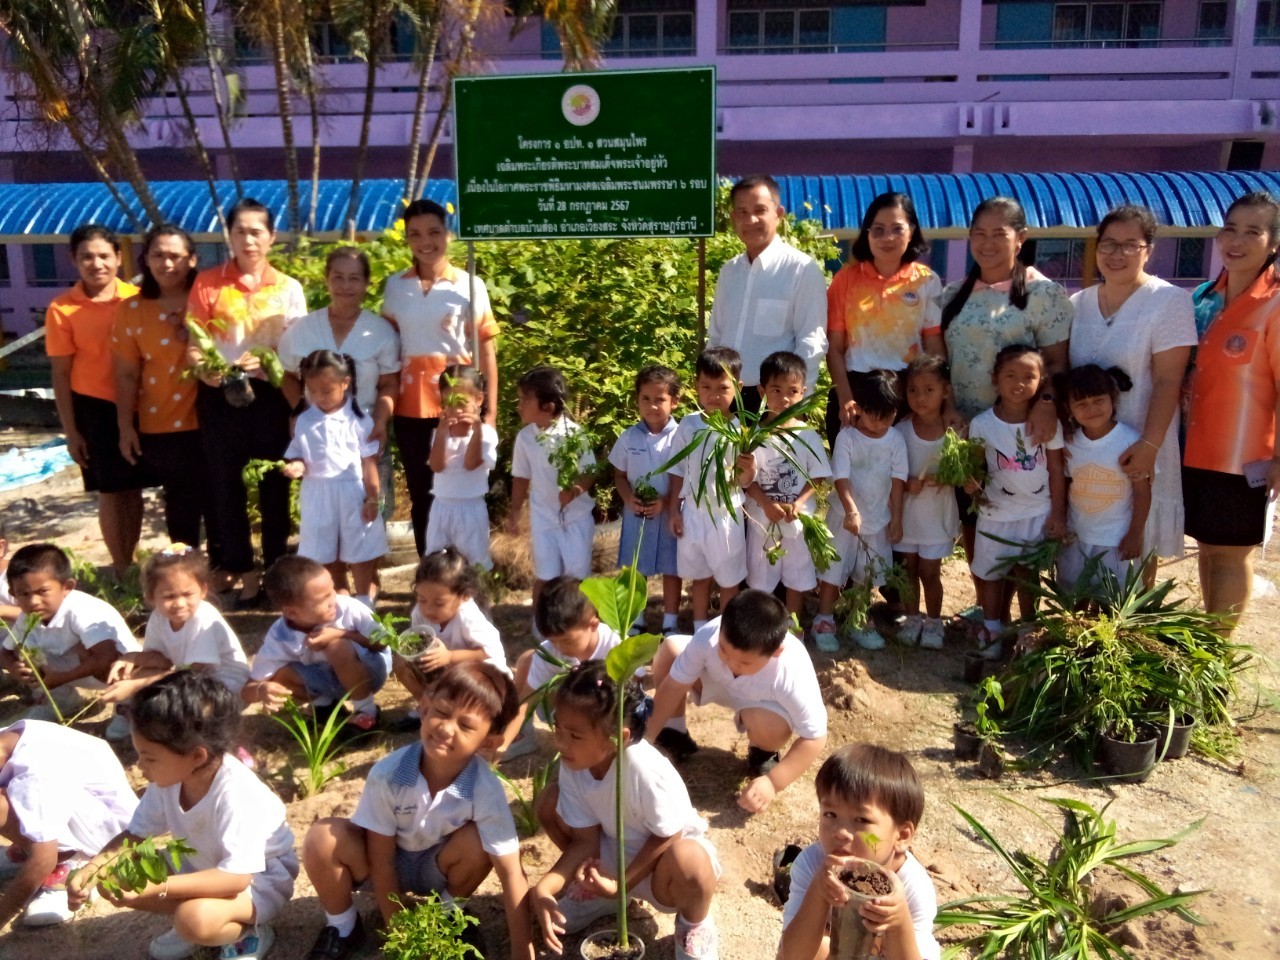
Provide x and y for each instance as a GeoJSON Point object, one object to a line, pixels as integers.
{"type": "Point", "coordinates": [134, 866]}
{"type": "Point", "coordinates": [871, 840]}
{"type": "Point", "coordinates": [428, 928]}
{"type": "Point", "coordinates": [317, 744]}
{"type": "Point", "coordinates": [819, 541]}
{"type": "Point", "coordinates": [645, 491]}
{"type": "Point", "coordinates": [984, 724]}
{"type": "Point", "coordinates": [854, 604]}
{"type": "Point", "coordinates": [566, 450]}
{"type": "Point", "coordinates": [409, 643]}
{"type": "Point", "coordinates": [960, 461]}
{"type": "Point", "coordinates": [125, 594]}
{"type": "Point", "coordinates": [525, 812]}
{"type": "Point", "coordinates": [35, 661]}
{"type": "Point", "coordinates": [212, 362]}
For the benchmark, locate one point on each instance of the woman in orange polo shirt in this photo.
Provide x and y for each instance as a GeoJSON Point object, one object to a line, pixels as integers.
{"type": "Point", "coordinates": [1231, 465]}
{"type": "Point", "coordinates": [155, 400]}
{"type": "Point", "coordinates": [78, 328]}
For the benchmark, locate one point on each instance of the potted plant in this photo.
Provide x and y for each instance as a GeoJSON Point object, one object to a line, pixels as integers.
{"type": "Point", "coordinates": [408, 644]}
{"type": "Point", "coordinates": [970, 735]}
{"type": "Point", "coordinates": [865, 880]}
{"type": "Point", "coordinates": [235, 381]}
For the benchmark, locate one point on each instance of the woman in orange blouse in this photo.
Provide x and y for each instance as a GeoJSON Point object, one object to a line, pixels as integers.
{"type": "Point", "coordinates": [1231, 465]}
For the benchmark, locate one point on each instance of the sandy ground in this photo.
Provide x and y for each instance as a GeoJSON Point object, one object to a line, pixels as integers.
{"type": "Point", "coordinates": [904, 698]}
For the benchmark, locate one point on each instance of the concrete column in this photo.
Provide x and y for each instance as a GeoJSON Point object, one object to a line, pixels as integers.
{"type": "Point", "coordinates": [706, 29]}
{"type": "Point", "coordinates": [1242, 44]}
{"type": "Point", "coordinates": [970, 26]}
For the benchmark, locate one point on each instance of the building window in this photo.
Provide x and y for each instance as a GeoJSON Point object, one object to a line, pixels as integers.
{"type": "Point", "coordinates": [1106, 24]}
{"type": "Point", "coordinates": [780, 30]}
{"type": "Point", "coordinates": [5, 279]}
{"type": "Point", "coordinates": [1060, 259]}
{"type": "Point", "coordinates": [652, 28]}
{"type": "Point", "coordinates": [50, 266]}
{"type": "Point", "coordinates": [1267, 30]}
{"type": "Point", "coordinates": [1214, 21]}
{"type": "Point", "coordinates": [1188, 259]}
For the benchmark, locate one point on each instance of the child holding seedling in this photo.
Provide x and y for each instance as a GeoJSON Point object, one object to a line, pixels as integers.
{"type": "Point", "coordinates": [337, 460]}
{"type": "Point", "coordinates": [463, 451]}
{"type": "Point", "coordinates": [73, 639]}
{"type": "Point", "coordinates": [930, 517]}
{"type": "Point", "coordinates": [870, 804]}
{"type": "Point", "coordinates": [747, 660]}
{"type": "Point", "coordinates": [433, 818]}
{"type": "Point", "coordinates": [670, 862]}
{"type": "Point", "coordinates": [869, 464]}
{"type": "Point", "coordinates": [1107, 510]}
{"type": "Point", "coordinates": [450, 621]}
{"type": "Point", "coordinates": [1025, 497]}
{"type": "Point", "coordinates": [706, 518]}
{"type": "Point", "coordinates": [65, 796]}
{"type": "Point", "coordinates": [647, 542]}
{"type": "Point", "coordinates": [552, 467]}
{"type": "Point", "coordinates": [786, 466]}
{"type": "Point", "coordinates": [239, 872]}
{"type": "Point", "coordinates": [319, 650]}
{"type": "Point", "coordinates": [184, 629]}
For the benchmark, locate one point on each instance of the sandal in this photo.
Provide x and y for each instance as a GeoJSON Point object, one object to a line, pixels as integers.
{"type": "Point", "coordinates": [365, 722]}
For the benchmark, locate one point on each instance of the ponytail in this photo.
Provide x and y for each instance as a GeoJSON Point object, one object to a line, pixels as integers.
{"type": "Point", "coordinates": [956, 303]}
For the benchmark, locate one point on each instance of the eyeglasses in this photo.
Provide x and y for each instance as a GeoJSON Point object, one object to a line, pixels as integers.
{"type": "Point", "coordinates": [896, 232]}
{"type": "Point", "coordinates": [1131, 249]}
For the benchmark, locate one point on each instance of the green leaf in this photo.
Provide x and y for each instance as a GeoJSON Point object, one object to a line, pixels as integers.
{"type": "Point", "coordinates": [630, 655]}
{"type": "Point", "coordinates": [618, 599]}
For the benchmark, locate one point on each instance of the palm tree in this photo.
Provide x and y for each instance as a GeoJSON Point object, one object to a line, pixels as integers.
{"type": "Point", "coordinates": [428, 18]}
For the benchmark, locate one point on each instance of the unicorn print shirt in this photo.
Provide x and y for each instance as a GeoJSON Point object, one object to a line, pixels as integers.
{"type": "Point", "coordinates": [1017, 473]}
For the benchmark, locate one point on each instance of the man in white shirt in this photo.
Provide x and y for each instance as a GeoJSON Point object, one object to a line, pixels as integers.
{"type": "Point", "coordinates": [770, 297]}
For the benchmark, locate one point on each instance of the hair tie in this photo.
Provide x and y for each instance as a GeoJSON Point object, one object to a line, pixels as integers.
{"type": "Point", "coordinates": [177, 550]}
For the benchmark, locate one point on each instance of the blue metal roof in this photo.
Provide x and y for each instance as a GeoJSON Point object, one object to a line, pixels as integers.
{"type": "Point", "coordinates": [943, 200]}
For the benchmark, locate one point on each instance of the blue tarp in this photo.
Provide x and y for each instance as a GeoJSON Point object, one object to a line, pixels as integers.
{"type": "Point", "coordinates": [20, 467]}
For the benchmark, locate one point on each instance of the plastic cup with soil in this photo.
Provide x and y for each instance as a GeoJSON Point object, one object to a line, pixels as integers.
{"type": "Point", "coordinates": [603, 945]}
{"type": "Point", "coordinates": [865, 881]}
{"type": "Point", "coordinates": [414, 644]}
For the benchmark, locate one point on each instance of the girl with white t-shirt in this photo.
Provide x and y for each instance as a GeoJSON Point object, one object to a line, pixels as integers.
{"type": "Point", "coordinates": [335, 454]}
{"type": "Point", "coordinates": [241, 873]}
{"type": "Point", "coordinates": [1106, 509]}
{"type": "Point", "coordinates": [184, 630]}
{"type": "Point", "coordinates": [670, 861]}
{"type": "Point", "coordinates": [464, 450]}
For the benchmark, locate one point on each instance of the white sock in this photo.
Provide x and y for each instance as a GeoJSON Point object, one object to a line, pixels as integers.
{"type": "Point", "coordinates": [365, 599]}
{"type": "Point", "coordinates": [698, 625]}
{"type": "Point", "coordinates": [993, 627]}
{"type": "Point", "coordinates": [824, 618]}
{"type": "Point", "coordinates": [363, 705]}
{"type": "Point", "coordinates": [668, 621]}
{"type": "Point", "coordinates": [678, 723]}
{"type": "Point", "coordinates": [343, 922]}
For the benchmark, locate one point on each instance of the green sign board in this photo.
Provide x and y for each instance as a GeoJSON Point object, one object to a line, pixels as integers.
{"type": "Point", "coordinates": [627, 153]}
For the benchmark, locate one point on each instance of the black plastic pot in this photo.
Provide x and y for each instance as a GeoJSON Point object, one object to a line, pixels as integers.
{"type": "Point", "coordinates": [1129, 762]}
{"type": "Point", "coordinates": [991, 761]}
{"type": "Point", "coordinates": [977, 667]}
{"type": "Point", "coordinates": [1174, 740]}
{"type": "Point", "coordinates": [237, 388]}
{"type": "Point", "coordinates": [966, 740]}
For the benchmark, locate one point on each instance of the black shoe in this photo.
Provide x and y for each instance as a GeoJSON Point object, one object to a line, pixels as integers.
{"type": "Point", "coordinates": [678, 744]}
{"type": "Point", "coordinates": [330, 946]}
{"type": "Point", "coordinates": [406, 724]}
{"type": "Point", "coordinates": [760, 761]}
{"type": "Point", "coordinates": [783, 857]}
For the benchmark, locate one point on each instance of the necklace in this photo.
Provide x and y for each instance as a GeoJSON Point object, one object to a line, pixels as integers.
{"type": "Point", "coordinates": [1104, 302]}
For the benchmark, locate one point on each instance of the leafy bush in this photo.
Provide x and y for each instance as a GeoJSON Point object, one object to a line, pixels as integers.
{"type": "Point", "coordinates": [429, 928]}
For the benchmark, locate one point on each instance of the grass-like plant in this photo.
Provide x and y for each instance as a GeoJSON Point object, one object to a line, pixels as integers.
{"type": "Point", "coordinates": [1057, 916]}
{"type": "Point", "coordinates": [426, 928]}
{"type": "Point", "coordinates": [525, 812]}
{"type": "Point", "coordinates": [317, 743]}
{"type": "Point", "coordinates": [853, 607]}
{"type": "Point", "coordinates": [959, 460]}
{"type": "Point", "coordinates": [34, 659]}
{"type": "Point", "coordinates": [124, 594]}
{"type": "Point", "coordinates": [135, 865]}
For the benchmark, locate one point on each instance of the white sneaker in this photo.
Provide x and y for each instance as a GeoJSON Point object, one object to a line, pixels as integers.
{"type": "Point", "coordinates": [252, 946]}
{"type": "Point", "coordinates": [909, 633]}
{"type": "Point", "coordinates": [578, 914]}
{"type": "Point", "coordinates": [118, 728]}
{"type": "Point", "coordinates": [170, 946]}
{"type": "Point", "coordinates": [932, 634]}
{"type": "Point", "coordinates": [989, 647]}
{"type": "Point", "coordinates": [868, 639]}
{"type": "Point", "coordinates": [47, 908]}
{"type": "Point", "coordinates": [700, 942]}
{"type": "Point", "coordinates": [824, 634]}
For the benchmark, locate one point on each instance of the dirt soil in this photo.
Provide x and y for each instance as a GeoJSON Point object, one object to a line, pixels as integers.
{"type": "Point", "coordinates": [904, 698]}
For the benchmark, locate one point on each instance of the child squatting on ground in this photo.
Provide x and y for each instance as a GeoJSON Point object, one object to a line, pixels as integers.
{"type": "Point", "coordinates": [433, 818]}
{"type": "Point", "coordinates": [749, 661]}
{"type": "Point", "coordinates": [870, 803]}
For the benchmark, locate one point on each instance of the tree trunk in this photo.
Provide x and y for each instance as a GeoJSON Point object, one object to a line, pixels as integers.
{"type": "Point", "coordinates": [215, 88]}
{"type": "Point", "coordinates": [206, 164]}
{"type": "Point", "coordinates": [420, 107]}
{"type": "Point", "coordinates": [437, 129]}
{"type": "Point", "coordinates": [372, 57]}
{"type": "Point", "coordinates": [283, 95]}
{"type": "Point", "coordinates": [461, 63]}
{"type": "Point", "coordinates": [313, 105]}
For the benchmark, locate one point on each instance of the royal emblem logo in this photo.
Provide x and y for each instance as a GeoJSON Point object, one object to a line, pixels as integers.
{"type": "Point", "coordinates": [580, 104]}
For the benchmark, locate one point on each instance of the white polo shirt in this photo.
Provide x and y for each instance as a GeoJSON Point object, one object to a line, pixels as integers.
{"type": "Point", "coordinates": [81, 620]}
{"type": "Point", "coordinates": [540, 671]}
{"type": "Point", "coordinates": [530, 460]}
{"type": "Point", "coordinates": [332, 445]}
{"type": "Point", "coordinates": [456, 482]}
{"type": "Point", "coordinates": [638, 452]}
{"type": "Point", "coordinates": [284, 645]}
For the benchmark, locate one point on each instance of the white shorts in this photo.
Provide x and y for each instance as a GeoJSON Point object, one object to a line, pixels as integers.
{"type": "Point", "coordinates": [711, 547]}
{"type": "Point", "coordinates": [644, 890]}
{"type": "Point", "coordinates": [859, 561]}
{"type": "Point", "coordinates": [331, 528]}
{"type": "Point", "coordinates": [927, 551]}
{"type": "Point", "coordinates": [563, 549]}
{"type": "Point", "coordinates": [464, 524]}
{"type": "Point", "coordinates": [272, 889]}
{"type": "Point", "coordinates": [989, 555]}
{"type": "Point", "coordinates": [1072, 559]}
{"type": "Point", "coordinates": [794, 568]}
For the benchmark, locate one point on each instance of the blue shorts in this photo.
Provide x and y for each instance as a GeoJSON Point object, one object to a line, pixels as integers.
{"type": "Point", "coordinates": [418, 871]}
{"type": "Point", "coordinates": [323, 684]}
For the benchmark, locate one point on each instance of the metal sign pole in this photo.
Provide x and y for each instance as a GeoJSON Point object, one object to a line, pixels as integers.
{"type": "Point", "coordinates": [471, 293]}
{"type": "Point", "coordinates": [702, 293]}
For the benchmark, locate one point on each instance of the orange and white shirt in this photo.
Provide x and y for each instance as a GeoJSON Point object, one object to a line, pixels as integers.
{"type": "Point", "coordinates": [1232, 418]}
{"type": "Point", "coordinates": [884, 318]}
{"type": "Point", "coordinates": [80, 328]}
{"type": "Point", "coordinates": [146, 338]}
{"type": "Point", "coordinates": [435, 331]}
{"type": "Point", "coordinates": [239, 316]}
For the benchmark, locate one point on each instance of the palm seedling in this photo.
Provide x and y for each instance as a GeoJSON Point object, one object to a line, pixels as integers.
{"type": "Point", "coordinates": [318, 743]}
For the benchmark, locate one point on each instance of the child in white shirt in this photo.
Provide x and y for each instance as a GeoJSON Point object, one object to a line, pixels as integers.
{"type": "Point", "coordinates": [184, 629]}
{"type": "Point", "coordinates": [241, 875]}
{"type": "Point", "coordinates": [657, 815]}
{"type": "Point", "coordinates": [552, 467]}
{"type": "Point", "coordinates": [1106, 510]}
{"type": "Point", "coordinates": [74, 638]}
{"type": "Point", "coordinates": [870, 802]}
{"type": "Point", "coordinates": [67, 797]}
{"type": "Point", "coordinates": [333, 454]}
{"type": "Point", "coordinates": [869, 464]}
{"type": "Point", "coordinates": [463, 451]}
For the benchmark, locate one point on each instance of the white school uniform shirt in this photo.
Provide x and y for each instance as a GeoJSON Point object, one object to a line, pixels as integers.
{"type": "Point", "coordinates": [1100, 498]}
{"type": "Point", "coordinates": [638, 452]}
{"type": "Point", "coordinates": [372, 343]}
{"type": "Point", "coordinates": [655, 801]}
{"type": "Point", "coordinates": [870, 464]}
{"type": "Point", "coordinates": [917, 887]}
{"type": "Point", "coordinates": [284, 645]}
{"type": "Point", "coordinates": [540, 671]}
{"type": "Point", "coordinates": [205, 639]}
{"type": "Point", "coordinates": [690, 469]}
{"type": "Point", "coordinates": [470, 629]}
{"type": "Point", "coordinates": [82, 619]}
{"type": "Point", "coordinates": [457, 482]}
{"type": "Point", "coordinates": [238, 826]}
{"type": "Point", "coordinates": [1017, 485]}
{"type": "Point", "coordinates": [397, 802]}
{"type": "Point", "coordinates": [779, 479]}
{"type": "Point", "coordinates": [776, 302]}
{"type": "Point", "coordinates": [6, 595]}
{"type": "Point", "coordinates": [67, 786]}
{"type": "Point", "coordinates": [787, 683]}
{"type": "Point", "coordinates": [530, 461]}
{"type": "Point", "coordinates": [332, 445]}
{"type": "Point", "coordinates": [930, 516]}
